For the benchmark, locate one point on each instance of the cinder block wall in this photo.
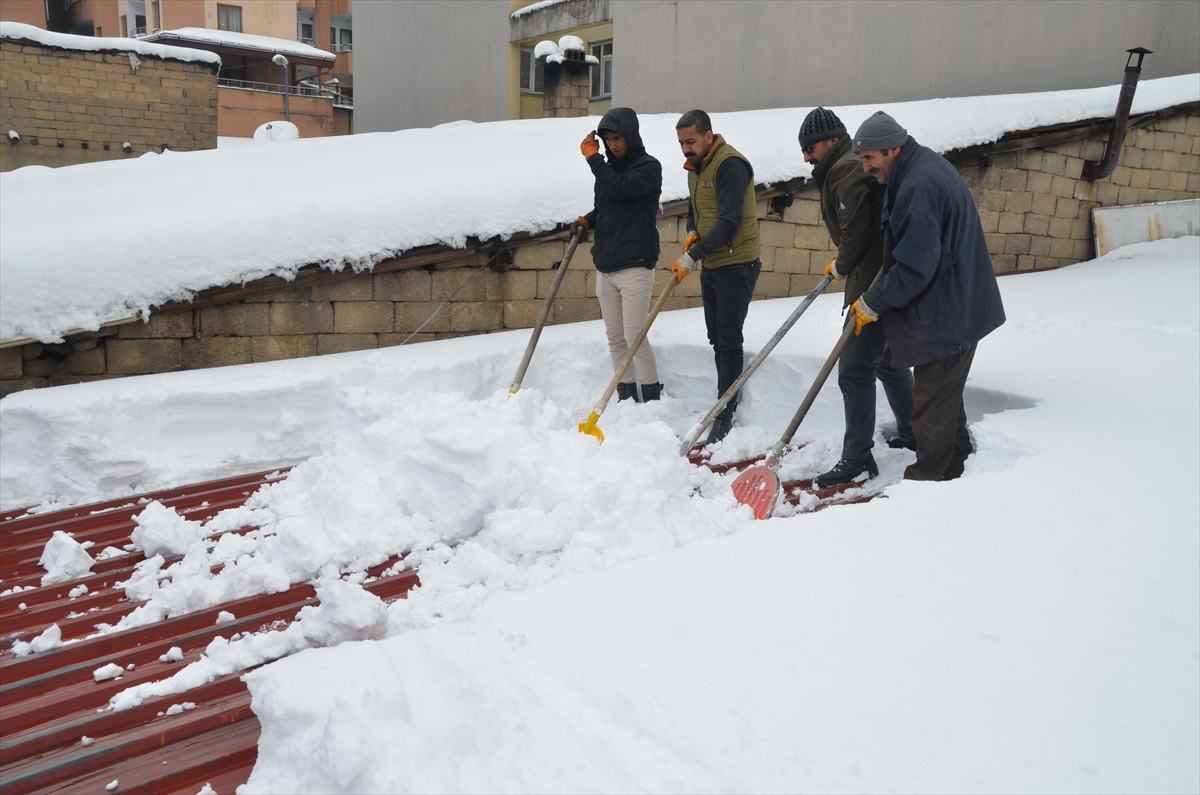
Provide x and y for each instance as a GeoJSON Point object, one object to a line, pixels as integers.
{"type": "Point", "coordinates": [95, 102]}
{"type": "Point", "coordinates": [1034, 208]}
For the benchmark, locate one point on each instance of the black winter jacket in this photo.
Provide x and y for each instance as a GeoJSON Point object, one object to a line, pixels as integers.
{"type": "Point", "coordinates": [851, 205]}
{"type": "Point", "coordinates": [938, 293]}
{"type": "Point", "coordinates": [626, 206]}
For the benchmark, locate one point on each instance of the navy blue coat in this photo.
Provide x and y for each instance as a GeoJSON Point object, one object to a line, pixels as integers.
{"type": "Point", "coordinates": [938, 294]}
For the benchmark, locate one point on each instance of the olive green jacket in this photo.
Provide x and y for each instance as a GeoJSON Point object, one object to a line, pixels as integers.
{"type": "Point", "coordinates": [851, 203]}
{"type": "Point", "coordinates": [743, 246]}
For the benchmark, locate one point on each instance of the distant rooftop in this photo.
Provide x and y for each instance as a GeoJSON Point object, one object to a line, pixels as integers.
{"type": "Point", "coordinates": [242, 41]}
{"type": "Point", "coordinates": [17, 32]}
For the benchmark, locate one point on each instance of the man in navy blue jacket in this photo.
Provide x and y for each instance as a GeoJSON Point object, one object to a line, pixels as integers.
{"type": "Point", "coordinates": [938, 295]}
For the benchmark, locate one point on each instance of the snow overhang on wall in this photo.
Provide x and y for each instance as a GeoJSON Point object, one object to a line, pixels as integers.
{"type": "Point", "coordinates": [553, 16]}
{"type": "Point", "coordinates": [28, 34]}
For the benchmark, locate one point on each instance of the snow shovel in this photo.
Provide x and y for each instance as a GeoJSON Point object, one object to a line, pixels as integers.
{"type": "Point", "coordinates": [759, 486]}
{"type": "Point", "coordinates": [737, 385]}
{"type": "Point", "coordinates": [545, 313]}
{"type": "Point", "coordinates": [589, 426]}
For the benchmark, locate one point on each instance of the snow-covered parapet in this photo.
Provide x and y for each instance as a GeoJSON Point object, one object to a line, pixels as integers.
{"type": "Point", "coordinates": [568, 48]}
{"type": "Point", "coordinates": [276, 131]}
{"type": "Point", "coordinates": [20, 33]}
{"type": "Point", "coordinates": [532, 7]}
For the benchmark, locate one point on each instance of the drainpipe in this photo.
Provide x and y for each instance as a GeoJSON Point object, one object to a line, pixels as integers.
{"type": "Point", "coordinates": [1093, 171]}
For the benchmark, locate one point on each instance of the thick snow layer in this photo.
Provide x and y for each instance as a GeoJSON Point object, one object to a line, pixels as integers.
{"type": "Point", "coordinates": [395, 191]}
{"type": "Point", "coordinates": [16, 31]}
{"type": "Point", "coordinates": [64, 559]}
{"type": "Point", "coordinates": [538, 6]}
{"type": "Point", "coordinates": [248, 41]}
{"type": "Point", "coordinates": [606, 617]}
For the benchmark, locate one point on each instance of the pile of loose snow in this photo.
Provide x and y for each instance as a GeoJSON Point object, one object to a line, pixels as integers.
{"type": "Point", "coordinates": [396, 191]}
{"type": "Point", "coordinates": [1032, 626]}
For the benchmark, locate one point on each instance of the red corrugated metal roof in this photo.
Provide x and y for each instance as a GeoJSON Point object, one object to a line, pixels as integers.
{"type": "Point", "coordinates": [50, 701]}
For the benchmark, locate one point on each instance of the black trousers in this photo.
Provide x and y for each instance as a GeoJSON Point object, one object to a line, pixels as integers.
{"type": "Point", "coordinates": [865, 358]}
{"type": "Point", "coordinates": [726, 292]}
{"type": "Point", "coordinates": [939, 418]}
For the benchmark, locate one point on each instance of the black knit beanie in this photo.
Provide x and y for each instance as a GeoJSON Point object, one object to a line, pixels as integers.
{"type": "Point", "coordinates": [820, 125]}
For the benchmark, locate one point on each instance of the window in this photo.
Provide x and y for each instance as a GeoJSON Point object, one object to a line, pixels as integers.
{"type": "Point", "coordinates": [229, 18]}
{"type": "Point", "coordinates": [306, 34]}
{"type": "Point", "coordinates": [347, 39]}
{"type": "Point", "coordinates": [532, 72]}
{"type": "Point", "coordinates": [602, 72]}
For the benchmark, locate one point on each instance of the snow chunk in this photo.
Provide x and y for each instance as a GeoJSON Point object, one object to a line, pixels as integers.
{"type": "Point", "coordinates": [64, 559]}
{"type": "Point", "coordinates": [224, 617]}
{"type": "Point", "coordinates": [544, 48]}
{"type": "Point", "coordinates": [110, 671]}
{"type": "Point", "coordinates": [50, 639]}
{"type": "Point", "coordinates": [569, 42]}
{"type": "Point", "coordinates": [77, 591]}
{"type": "Point", "coordinates": [178, 709]}
{"type": "Point", "coordinates": [346, 612]}
{"type": "Point", "coordinates": [207, 790]}
{"type": "Point", "coordinates": [162, 531]}
{"type": "Point", "coordinates": [85, 741]}
{"type": "Point", "coordinates": [112, 785]}
{"type": "Point", "coordinates": [174, 654]}
{"type": "Point", "coordinates": [276, 131]}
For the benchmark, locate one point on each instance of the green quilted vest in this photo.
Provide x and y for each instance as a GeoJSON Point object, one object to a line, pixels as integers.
{"type": "Point", "coordinates": [702, 187]}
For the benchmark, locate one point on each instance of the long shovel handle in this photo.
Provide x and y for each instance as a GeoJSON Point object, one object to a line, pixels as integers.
{"type": "Point", "coordinates": [545, 313]}
{"type": "Point", "coordinates": [737, 385]}
{"type": "Point", "coordinates": [590, 425]}
{"type": "Point", "coordinates": [777, 451]}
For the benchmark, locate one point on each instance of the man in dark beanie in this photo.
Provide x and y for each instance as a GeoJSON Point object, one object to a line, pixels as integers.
{"type": "Point", "coordinates": [851, 201]}
{"type": "Point", "coordinates": [938, 294]}
{"type": "Point", "coordinates": [722, 224]}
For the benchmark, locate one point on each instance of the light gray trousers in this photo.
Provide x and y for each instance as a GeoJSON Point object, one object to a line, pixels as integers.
{"type": "Point", "coordinates": [624, 303]}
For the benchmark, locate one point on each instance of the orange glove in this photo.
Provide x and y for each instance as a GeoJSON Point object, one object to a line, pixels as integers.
{"type": "Point", "coordinates": [683, 266]}
{"type": "Point", "coordinates": [590, 146]}
{"type": "Point", "coordinates": [863, 315]}
{"type": "Point", "coordinates": [832, 271]}
{"type": "Point", "coordinates": [690, 241]}
{"type": "Point", "coordinates": [579, 223]}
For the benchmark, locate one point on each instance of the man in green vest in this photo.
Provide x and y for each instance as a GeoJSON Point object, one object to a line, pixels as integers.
{"type": "Point", "coordinates": [722, 228]}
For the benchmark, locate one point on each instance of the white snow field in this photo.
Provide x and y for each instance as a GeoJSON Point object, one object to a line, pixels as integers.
{"type": "Point", "coordinates": [606, 618]}
{"type": "Point", "coordinates": [390, 193]}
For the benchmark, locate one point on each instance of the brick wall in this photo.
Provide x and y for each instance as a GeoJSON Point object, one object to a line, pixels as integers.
{"type": "Point", "coordinates": [1034, 207]}
{"type": "Point", "coordinates": [94, 102]}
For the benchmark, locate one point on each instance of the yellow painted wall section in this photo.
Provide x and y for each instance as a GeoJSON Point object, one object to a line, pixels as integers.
{"type": "Point", "coordinates": [275, 18]}
{"type": "Point", "coordinates": [529, 106]}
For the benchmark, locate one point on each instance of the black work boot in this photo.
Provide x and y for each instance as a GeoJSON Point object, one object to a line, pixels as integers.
{"type": "Point", "coordinates": [721, 427]}
{"type": "Point", "coordinates": [627, 391]}
{"type": "Point", "coordinates": [900, 443]}
{"type": "Point", "coordinates": [651, 392]}
{"type": "Point", "coordinates": [846, 471]}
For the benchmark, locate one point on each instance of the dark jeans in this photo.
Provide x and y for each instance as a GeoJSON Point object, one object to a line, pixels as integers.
{"type": "Point", "coordinates": [939, 418]}
{"type": "Point", "coordinates": [865, 358]}
{"type": "Point", "coordinates": [726, 292]}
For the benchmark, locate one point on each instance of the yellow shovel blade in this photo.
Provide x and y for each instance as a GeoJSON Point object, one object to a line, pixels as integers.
{"type": "Point", "coordinates": [589, 427]}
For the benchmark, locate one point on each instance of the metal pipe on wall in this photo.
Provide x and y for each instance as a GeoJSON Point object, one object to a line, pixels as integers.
{"type": "Point", "coordinates": [1093, 171]}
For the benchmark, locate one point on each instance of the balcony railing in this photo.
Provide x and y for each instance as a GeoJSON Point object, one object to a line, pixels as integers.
{"type": "Point", "coordinates": [137, 33]}
{"type": "Point", "coordinates": [309, 42]}
{"type": "Point", "coordinates": [273, 88]}
{"type": "Point", "coordinates": [347, 47]}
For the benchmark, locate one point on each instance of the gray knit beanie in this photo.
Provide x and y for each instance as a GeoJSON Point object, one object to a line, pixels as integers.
{"type": "Point", "coordinates": [880, 131]}
{"type": "Point", "coordinates": [820, 125]}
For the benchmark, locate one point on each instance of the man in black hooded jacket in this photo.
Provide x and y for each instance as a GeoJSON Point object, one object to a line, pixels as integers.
{"type": "Point", "coordinates": [625, 250]}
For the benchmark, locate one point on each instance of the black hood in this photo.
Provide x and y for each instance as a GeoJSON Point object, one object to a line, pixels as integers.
{"type": "Point", "coordinates": [625, 122]}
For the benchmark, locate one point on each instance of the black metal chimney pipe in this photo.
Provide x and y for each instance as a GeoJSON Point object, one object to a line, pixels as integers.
{"type": "Point", "coordinates": [1093, 171]}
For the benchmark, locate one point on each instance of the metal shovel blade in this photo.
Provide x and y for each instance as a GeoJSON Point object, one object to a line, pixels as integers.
{"type": "Point", "coordinates": [757, 487]}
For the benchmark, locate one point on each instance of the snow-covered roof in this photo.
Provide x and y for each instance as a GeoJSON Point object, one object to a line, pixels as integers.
{"type": "Point", "coordinates": [18, 32]}
{"type": "Point", "coordinates": [391, 192]}
{"type": "Point", "coordinates": [245, 41]}
{"type": "Point", "coordinates": [529, 9]}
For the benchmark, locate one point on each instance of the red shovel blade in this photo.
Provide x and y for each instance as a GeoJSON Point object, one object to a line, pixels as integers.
{"type": "Point", "coordinates": [757, 487]}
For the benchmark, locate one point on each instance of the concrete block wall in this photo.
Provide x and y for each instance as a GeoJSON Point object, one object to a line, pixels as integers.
{"type": "Point", "coordinates": [95, 102]}
{"type": "Point", "coordinates": [1033, 205]}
